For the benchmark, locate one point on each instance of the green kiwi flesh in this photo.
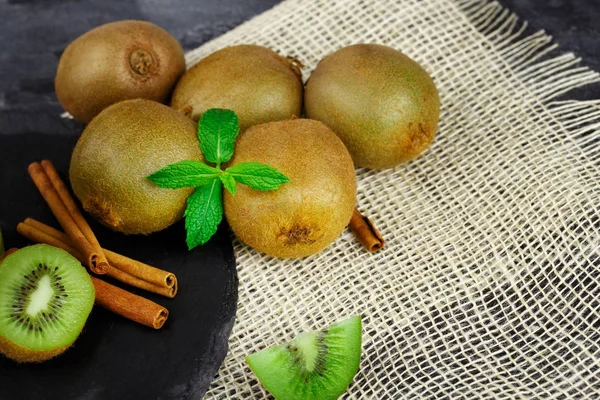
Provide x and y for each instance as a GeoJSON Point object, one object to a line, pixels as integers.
{"type": "Point", "coordinates": [46, 297]}
{"type": "Point", "coordinates": [382, 104]}
{"type": "Point", "coordinates": [118, 150]}
{"type": "Point", "coordinates": [314, 365]}
{"type": "Point", "coordinates": [305, 215]}
{"type": "Point", "coordinates": [254, 81]}
{"type": "Point", "coordinates": [117, 61]}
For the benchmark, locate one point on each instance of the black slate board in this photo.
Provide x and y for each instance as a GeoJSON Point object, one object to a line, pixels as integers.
{"type": "Point", "coordinates": [115, 358]}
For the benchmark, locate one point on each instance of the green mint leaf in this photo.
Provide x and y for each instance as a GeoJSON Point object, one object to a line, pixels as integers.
{"type": "Point", "coordinates": [184, 174]}
{"type": "Point", "coordinates": [228, 182]}
{"type": "Point", "coordinates": [217, 130]}
{"type": "Point", "coordinates": [203, 214]}
{"type": "Point", "coordinates": [258, 176]}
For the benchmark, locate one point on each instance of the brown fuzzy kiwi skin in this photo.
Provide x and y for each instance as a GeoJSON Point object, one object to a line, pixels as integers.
{"type": "Point", "coordinates": [382, 104]}
{"type": "Point", "coordinates": [118, 150]}
{"type": "Point", "coordinates": [254, 81]}
{"type": "Point", "coordinates": [24, 355]}
{"type": "Point", "coordinates": [305, 215]}
{"type": "Point", "coordinates": [117, 61]}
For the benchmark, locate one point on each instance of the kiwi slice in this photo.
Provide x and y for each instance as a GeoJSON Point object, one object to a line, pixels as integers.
{"type": "Point", "coordinates": [314, 365]}
{"type": "Point", "coordinates": [46, 297]}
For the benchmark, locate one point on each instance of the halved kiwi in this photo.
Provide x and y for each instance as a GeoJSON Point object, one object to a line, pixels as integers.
{"type": "Point", "coordinates": [1, 246]}
{"type": "Point", "coordinates": [313, 366]}
{"type": "Point", "coordinates": [46, 297]}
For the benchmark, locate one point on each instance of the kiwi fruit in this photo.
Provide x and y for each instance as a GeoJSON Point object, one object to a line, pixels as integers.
{"type": "Point", "coordinates": [255, 82]}
{"type": "Point", "coordinates": [305, 215]}
{"type": "Point", "coordinates": [1, 246]}
{"type": "Point", "coordinates": [316, 365]}
{"type": "Point", "coordinates": [117, 61]}
{"type": "Point", "coordinates": [46, 297]}
{"type": "Point", "coordinates": [382, 104]}
{"type": "Point", "coordinates": [115, 154]}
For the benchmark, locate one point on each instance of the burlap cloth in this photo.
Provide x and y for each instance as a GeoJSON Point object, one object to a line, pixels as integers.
{"type": "Point", "coordinates": [488, 287]}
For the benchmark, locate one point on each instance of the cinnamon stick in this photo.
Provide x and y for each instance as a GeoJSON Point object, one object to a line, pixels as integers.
{"type": "Point", "coordinates": [366, 232]}
{"type": "Point", "coordinates": [133, 267]}
{"type": "Point", "coordinates": [129, 305]}
{"type": "Point", "coordinates": [69, 203]}
{"type": "Point", "coordinates": [48, 235]}
{"type": "Point", "coordinates": [95, 258]}
{"type": "Point", "coordinates": [143, 271]}
{"type": "Point", "coordinates": [131, 280]}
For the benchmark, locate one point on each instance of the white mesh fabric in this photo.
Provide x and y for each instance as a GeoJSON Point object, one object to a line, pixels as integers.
{"type": "Point", "coordinates": [488, 286]}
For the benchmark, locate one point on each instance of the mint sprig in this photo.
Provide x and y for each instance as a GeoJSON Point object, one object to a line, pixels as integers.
{"type": "Point", "coordinates": [258, 176]}
{"type": "Point", "coordinates": [228, 181]}
{"type": "Point", "coordinates": [217, 132]}
{"type": "Point", "coordinates": [203, 213]}
{"type": "Point", "coordinates": [188, 173]}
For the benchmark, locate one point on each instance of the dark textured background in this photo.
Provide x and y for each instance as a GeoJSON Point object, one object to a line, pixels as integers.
{"type": "Point", "coordinates": [33, 34]}
{"type": "Point", "coordinates": [574, 25]}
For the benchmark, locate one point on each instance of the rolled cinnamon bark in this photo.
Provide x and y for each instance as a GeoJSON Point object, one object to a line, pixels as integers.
{"type": "Point", "coordinates": [95, 259]}
{"type": "Point", "coordinates": [366, 232]}
{"type": "Point", "coordinates": [31, 230]}
{"type": "Point", "coordinates": [130, 306]}
{"type": "Point", "coordinates": [143, 271]}
{"type": "Point", "coordinates": [78, 218]}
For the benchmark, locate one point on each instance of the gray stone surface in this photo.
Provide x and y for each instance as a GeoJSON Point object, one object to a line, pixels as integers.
{"type": "Point", "coordinates": [574, 26]}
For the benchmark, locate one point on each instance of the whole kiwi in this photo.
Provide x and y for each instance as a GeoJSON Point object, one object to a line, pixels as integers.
{"type": "Point", "coordinates": [305, 215]}
{"type": "Point", "coordinates": [254, 81]}
{"type": "Point", "coordinates": [382, 104]}
{"type": "Point", "coordinates": [117, 61]}
{"type": "Point", "coordinates": [118, 150]}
